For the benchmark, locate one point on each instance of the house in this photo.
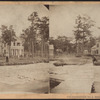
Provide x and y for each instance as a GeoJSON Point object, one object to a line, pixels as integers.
{"type": "Point", "coordinates": [85, 52]}
{"type": "Point", "coordinates": [95, 50]}
{"type": "Point", "coordinates": [15, 50]}
{"type": "Point", "coordinates": [51, 51]}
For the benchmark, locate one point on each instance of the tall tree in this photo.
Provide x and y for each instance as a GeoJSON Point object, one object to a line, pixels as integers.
{"type": "Point", "coordinates": [34, 18]}
{"type": "Point", "coordinates": [8, 35]}
{"type": "Point", "coordinates": [36, 33]}
{"type": "Point", "coordinates": [44, 32]}
{"type": "Point", "coordinates": [26, 39]}
{"type": "Point", "coordinates": [82, 30]}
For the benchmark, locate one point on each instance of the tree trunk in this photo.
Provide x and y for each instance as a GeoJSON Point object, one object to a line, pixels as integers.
{"type": "Point", "coordinates": [42, 48]}
{"type": "Point", "coordinates": [77, 51]}
{"type": "Point", "coordinates": [32, 49]}
{"type": "Point", "coordinates": [28, 50]}
{"type": "Point", "coordinates": [83, 44]}
{"type": "Point", "coordinates": [29, 47]}
{"type": "Point", "coordinates": [34, 45]}
{"type": "Point", "coordinates": [9, 51]}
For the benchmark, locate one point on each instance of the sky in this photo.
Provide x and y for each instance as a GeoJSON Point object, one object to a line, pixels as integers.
{"type": "Point", "coordinates": [17, 15]}
{"type": "Point", "coordinates": [62, 18]}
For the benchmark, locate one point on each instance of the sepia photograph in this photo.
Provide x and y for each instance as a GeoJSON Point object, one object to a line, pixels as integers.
{"type": "Point", "coordinates": [24, 48]}
{"type": "Point", "coordinates": [49, 50]}
{"type": "Point", "coordinates": [75, 41]}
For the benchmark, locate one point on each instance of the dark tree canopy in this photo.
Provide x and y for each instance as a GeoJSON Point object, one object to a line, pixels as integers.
{"type": "Point", "coordinates": [37, 34]}
{"type": "Point", "coordinates": [8, 34]}
{"type": "Point", "coordinates": [82, 30]}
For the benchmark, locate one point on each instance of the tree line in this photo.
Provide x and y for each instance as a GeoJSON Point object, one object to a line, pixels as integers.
{"type": "Point", "coordinates": [83, 37]}
{"type": "Point", "coordinates": [35, 37]}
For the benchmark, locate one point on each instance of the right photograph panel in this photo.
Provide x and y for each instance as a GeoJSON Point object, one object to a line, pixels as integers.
{"type": "Point", "coordinates": [74, 48]}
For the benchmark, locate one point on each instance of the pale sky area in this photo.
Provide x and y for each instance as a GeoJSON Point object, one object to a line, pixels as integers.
{"type": "Point", "coordinates": [62, 18]}
{"type": "Point", "coordinates": [17, 15]}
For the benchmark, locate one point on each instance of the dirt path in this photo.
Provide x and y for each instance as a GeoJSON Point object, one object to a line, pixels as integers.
{"type": "Point", "coordinates": [24, 78]}
{"type": "Point", "coordinates": [77, 78]}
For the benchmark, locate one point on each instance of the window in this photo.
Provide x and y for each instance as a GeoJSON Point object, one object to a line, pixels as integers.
{"type": "Point", "coordinates": [18, 44]}
{"type": "Point", "coordinates": [98, 45]}
{"type": "Point", "coordinates": [14, 43]}
{"type": "Point", "coordinates": [97, 51]}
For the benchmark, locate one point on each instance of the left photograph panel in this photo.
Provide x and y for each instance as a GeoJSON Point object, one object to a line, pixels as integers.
{"type": "Point", "coordinates": [24, 48]}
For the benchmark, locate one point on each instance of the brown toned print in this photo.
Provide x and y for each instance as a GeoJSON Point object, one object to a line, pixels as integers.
{"type": "Point", "coordinates": [50, 50]}
{"type": "Point", "coordinates": [24, 34]}
{"type": "Point", "coordinates": [74, 32]}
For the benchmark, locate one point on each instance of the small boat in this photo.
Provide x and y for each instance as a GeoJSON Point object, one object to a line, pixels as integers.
{"type": "Point", "coordinates": [59, 63]}
{"type": "Point", "coordinates": [97, 63]}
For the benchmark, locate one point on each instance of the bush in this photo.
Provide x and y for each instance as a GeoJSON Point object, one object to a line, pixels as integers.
{"type": "Point", "coordinates": [78, 55]}
{"type": "Point", "coordinates": [88, 55]}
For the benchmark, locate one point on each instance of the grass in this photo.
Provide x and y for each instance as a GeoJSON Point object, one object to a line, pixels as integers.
{"type": "Point", "coordinates": [72, 60]}
{"type": "Point", "coordinates": [22, 61]}
{"type": "Point", "coordinates": [60, 61]}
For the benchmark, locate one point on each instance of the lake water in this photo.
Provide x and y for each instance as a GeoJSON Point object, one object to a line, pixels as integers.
{"type": "Point", "coordinates": [75, 78]}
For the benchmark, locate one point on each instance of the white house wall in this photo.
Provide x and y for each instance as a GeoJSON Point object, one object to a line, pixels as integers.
{"type": "Point", "coordinates": [15, 50]}
{"type": "Point", "coordinates": [99, 49]}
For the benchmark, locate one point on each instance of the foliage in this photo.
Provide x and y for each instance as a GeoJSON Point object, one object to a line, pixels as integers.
{"type": "Point", "coordinates": [36, 33]}
{"type": "Point", "coordinates": [82, 30]}
{"type": "Point", "coordinates": [8, 34]}
{"type": "Point", "coordinates": [44, 28]}
{"type": "Point", "coordinates": [63, 43]}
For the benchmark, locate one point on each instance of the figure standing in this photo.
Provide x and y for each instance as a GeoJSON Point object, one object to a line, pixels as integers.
{"type": "Point", "coordinates": [7, 57]}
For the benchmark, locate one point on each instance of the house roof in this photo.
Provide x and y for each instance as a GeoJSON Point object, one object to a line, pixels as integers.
{"type": "Point", "coordinates": [94, 47]}
{"type": "Point", "coordinates": [18, 39]}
